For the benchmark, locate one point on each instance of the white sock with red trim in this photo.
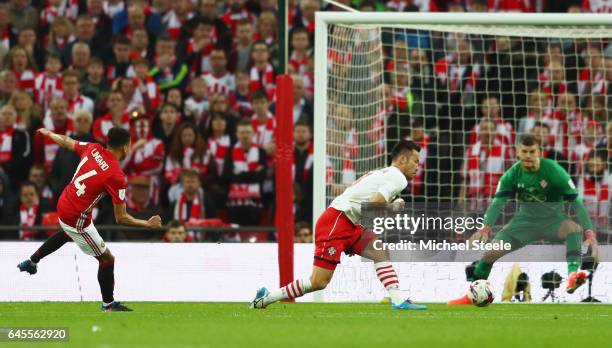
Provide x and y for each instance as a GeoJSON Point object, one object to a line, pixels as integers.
{"type": "Point", "coordinates": [387, 276]}
{"type": "Point", "coordinates": [296, 288]}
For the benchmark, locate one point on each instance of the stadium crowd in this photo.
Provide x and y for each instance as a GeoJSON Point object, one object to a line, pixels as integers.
{"type": "Point", "coordinates": [194, 82]}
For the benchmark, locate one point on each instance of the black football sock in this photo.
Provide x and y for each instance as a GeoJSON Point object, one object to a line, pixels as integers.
{"type": "Point", "coordinates": [53, 243]}
{"type": "Point", "coordinates": [106, 278]}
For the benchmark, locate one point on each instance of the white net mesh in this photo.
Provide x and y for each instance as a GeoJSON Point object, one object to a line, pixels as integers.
{"type": "Point", "coordinates": [465, 94]}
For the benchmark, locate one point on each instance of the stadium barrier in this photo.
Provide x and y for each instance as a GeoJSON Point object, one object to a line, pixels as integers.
{"type": "Point", "coordinates": [106, 231]}
{"type": "Point", "coordinates": [232, 272]}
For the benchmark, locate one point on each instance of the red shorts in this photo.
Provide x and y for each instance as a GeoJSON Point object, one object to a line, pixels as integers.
{"type": "Point", "coordinates": [335, 233]}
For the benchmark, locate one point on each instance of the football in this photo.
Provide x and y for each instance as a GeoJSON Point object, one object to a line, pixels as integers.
{"type": "Point", "coordinates": [481, 293]}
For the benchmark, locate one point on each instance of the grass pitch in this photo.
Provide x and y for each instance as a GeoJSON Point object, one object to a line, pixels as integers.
{"type": "Point", "coordinates": [316, 325]}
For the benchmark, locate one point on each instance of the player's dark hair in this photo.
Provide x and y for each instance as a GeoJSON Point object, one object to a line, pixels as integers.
{"type": "Point", "coordinates": [175, 224]}
{"type": "Point", "coordinates": [402, 147]}
{"type": "Point", "coordinates": [118, 137]}
{"type": "Point", "coordinates": [528, 140]}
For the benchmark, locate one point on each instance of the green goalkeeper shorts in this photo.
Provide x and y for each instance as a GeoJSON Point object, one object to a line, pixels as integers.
{"type": "Point", "coordinates": [521, 231]}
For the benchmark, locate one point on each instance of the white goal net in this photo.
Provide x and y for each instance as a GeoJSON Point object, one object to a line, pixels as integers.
{"type": "Point", "coordinates": [464, 87]}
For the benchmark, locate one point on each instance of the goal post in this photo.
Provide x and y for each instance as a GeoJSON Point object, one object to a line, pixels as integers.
{"type": "Point", "coordinates": [356, 76]}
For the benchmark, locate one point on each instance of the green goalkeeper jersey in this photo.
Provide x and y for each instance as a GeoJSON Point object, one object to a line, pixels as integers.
{"type": "Point", "coordinates": [541, 194]}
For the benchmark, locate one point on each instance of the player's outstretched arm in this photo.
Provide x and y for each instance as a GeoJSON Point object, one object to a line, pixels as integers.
{"type": "Point", "coordinates": [61, 140]}
{"type": "Point", "coordinates": [123, 218]}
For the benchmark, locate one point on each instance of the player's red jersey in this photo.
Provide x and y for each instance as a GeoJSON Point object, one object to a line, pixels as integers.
{"type": "Point", "coordinates": [98, 173]}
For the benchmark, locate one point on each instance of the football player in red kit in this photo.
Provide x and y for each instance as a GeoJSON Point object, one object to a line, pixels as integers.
{"type": "Point", "coordinates": [98, 173]}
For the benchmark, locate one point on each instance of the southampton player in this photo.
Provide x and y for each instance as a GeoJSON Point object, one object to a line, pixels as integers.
{"type": "Point", "coordinates": [339, 230]}
{"type": "Point", "coordinates": [541, 186]}
{"type": "Point", "coordinates": [98, 173]}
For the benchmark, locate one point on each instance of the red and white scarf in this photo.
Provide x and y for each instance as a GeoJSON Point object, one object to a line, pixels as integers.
{"type": "Point", "coordinates": [27, 218]}
{"type": "Point", "coordinates": [596, 196]}
{"type": "Point", "coordinates": [264, 130]}
{"type": "Point", "coordinates": [46, 88]}
{"type": "Point", "coordinates": [6, 145]}
{"type": "Point", "coordinates": [263, 81]}
{"type": "Point", "coordinates": [218, 149]}
{"type": "Point", "coordinates": [6, 37]}
{"type": "Point", "coordinates": [244, 160]}
{"type": "Point", "coordinates": [182, 213]}
{"type": "Point", "coordinates": [173, 169]}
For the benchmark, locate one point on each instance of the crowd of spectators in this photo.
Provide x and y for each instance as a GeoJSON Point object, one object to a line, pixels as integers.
{"type": "Point", "coordinates": [194, 82]}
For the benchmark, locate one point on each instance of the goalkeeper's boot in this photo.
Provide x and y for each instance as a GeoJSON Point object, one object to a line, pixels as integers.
{"type": "Point", "coordinates": [463, 300]}
{"type": "Point", "coordinates": [28, 266]}
{"type": "Point", "coordinates": [408, 304]}
{"type": "Point", "coordinates": [258, 302]}
{"type": "Point", "coordinates": [576, 279]}
{"type": "Point", "coordinates": [115, 307]}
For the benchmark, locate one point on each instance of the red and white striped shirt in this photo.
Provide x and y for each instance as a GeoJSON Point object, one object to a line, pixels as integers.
{"type": "Point", "coordinates": [224, 84]}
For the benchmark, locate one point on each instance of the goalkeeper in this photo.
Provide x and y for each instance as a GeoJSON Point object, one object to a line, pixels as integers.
{"type": "Point", "coordinates": [542, 187]}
